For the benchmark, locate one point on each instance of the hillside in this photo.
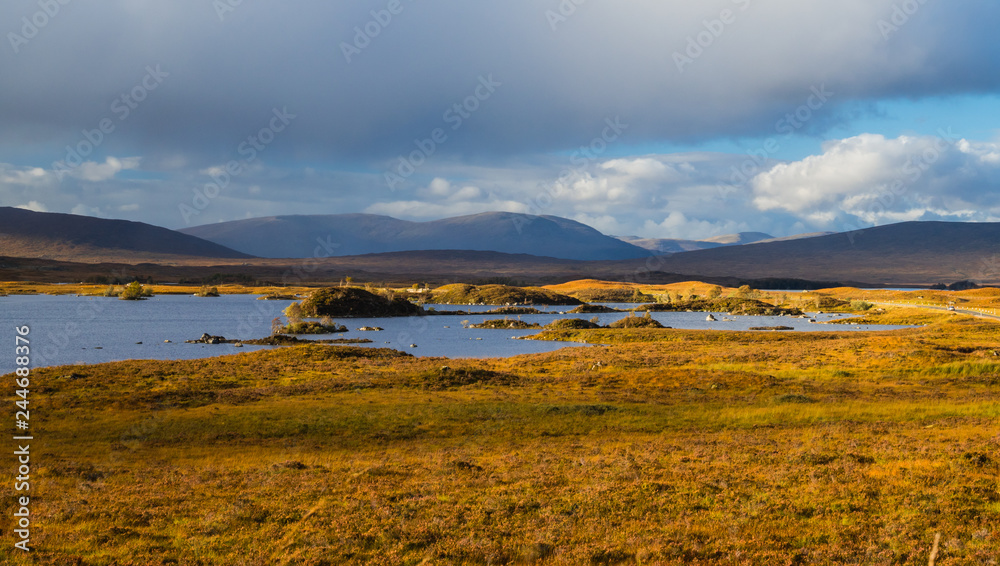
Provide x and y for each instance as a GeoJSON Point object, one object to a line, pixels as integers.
{"type": "Point", "coordinates": [668, 245]}
{"type": "Point", "coordinates": [904, 253]}
{"type": "Point", "coordinates": [674, 245]}
{"type": "Point", "coordinates": [795, 237]}
{"type": "Point", "coordinates": [69, 237]}
{"type": "Point", "coordinates": [913, 253]}
{"type": "Point", "coordinates": [358, 234]}
{"type": "Point", "coordinates": [740, 238]}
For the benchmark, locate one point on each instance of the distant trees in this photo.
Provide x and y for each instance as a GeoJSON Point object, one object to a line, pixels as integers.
{"type": "Point", "coordinates": [134, 291]}
{"type": "Point", "coordinates": [861, 305]}
{"type": "Point", "coordinates": [294, 314]}
{"type": "Point", "coordinates": [207, 291]}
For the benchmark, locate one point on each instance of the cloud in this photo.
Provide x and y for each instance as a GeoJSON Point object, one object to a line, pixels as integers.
{"type": "Point", "coordinates": [554, 87]}
{"type": "Point", "coordinates": [425, 210]}
{"type": "Point", "coordinates": [34, 206]}
{"type": "Point", "coordinates": [28, 177]}
{"type": "Point", "coordinates": [97, 172]}
{"type": "Point", "coordinates": [872, 179]}
{"type": "Point", "coordinates": [609, 59]}
{"type": "Point", "coordinates": [665, 196]}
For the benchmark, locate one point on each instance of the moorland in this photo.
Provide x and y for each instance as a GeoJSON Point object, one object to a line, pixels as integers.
{"type": "Point", "coordinates": [652, 446]}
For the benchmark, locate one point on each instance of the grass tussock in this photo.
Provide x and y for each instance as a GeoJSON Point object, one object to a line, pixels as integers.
{"type": "Point", "coordinates": [462, 294]}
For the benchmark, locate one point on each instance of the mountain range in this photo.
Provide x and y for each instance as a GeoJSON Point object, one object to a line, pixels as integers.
{"type": "Point", "coordinates": [520, 247]}
{"type": "Point", "coordinates": [673, 246]}
{"type": "Point", "coordinates": [903, 253]}
{"type": "Point", "coordinates": [358, 234]}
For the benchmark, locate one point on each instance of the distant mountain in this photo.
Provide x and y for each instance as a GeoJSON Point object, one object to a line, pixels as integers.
{"type": "Point", "coordinates": [69, 237]}
{"type": "Point", "coordinates": [795, 237]}
{"type": "Point", "coordinates": [357, 234]}
{"type": "Point", "coordinates": [668, 245]}
{"type": "Point", "coordinates": [908, 254]}
{"type": "Point", "coordinates": [740, 238]}
{"type": "Point", "coordinates": [905, 253]}
{"type": "Point", "coordinates": [673, 246]}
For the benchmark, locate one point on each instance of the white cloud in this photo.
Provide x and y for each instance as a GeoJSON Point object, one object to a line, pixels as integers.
{"type": "Point", "coordinates": [97, 172]}
{"type": "Point", "coordinates": [33, 205]}
{"type": "Point", "coordinates": [678, 225]}
{"type": "Point", "coordinates": [873, 179]}
{"type": "Point", "coordinates": [439, 187]}
{"type": "Point", "coordinates": [422, 209]}
{"type": "Point", "coordinates": [641, 168]}
{"type": "Point", "coordinates": [26, 176]}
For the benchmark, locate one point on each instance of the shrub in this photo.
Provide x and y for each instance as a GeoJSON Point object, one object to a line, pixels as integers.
{"type": "Point", "coordinates": [636, 322]}
{"type": "Point", "coordinates": [573, 324]}
{"type": "Point", "coordinates": [134, 291]}
{"type": "Point", "coordinates": [312, 328]}
{"type": "Point", "coordinates": [354, 302]}
{"type": "Point", "coordinates": [207, 291]}
{"type": "Point", "coordinates": [461, 294]}
{"type": "Point", "coordinates": [590, 309]}
{"type": "Point", "coordinates": [826, 303]}
{"type": "Point", "coordinates": [497, 323]}
{"type": "Point", "coordinates": [861, 305]}
{"type": "Point", "coordinates": [293, 312]}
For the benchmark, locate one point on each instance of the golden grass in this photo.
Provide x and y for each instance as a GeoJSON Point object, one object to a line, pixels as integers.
{"type": "Point", "coordinates": [653, 447]}
{"type": "Point", "coordinates": [32, 288]}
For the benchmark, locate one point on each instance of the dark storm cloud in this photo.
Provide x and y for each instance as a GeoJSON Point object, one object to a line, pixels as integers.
{"type": "Point", "coordinates": [560, 75]}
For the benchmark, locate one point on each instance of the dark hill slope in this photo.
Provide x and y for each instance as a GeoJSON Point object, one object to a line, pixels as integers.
{"type": "Point", "coordinates": [69, 237]}
{"type": "Point", "coordinates": [908, 252]}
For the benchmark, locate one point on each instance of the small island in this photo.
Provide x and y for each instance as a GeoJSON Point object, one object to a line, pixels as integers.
{"type": "Point", "coordinates": [351, 302]}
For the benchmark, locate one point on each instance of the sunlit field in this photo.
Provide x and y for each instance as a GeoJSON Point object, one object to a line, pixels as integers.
{"type": "Point", "coordinates": [651, 447]}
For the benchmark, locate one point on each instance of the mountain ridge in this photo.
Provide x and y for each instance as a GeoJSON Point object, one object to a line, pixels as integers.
{"type": "Point", "coordinates": [359, 234]}
{"type": "Point", "coordinates": [72, 237]}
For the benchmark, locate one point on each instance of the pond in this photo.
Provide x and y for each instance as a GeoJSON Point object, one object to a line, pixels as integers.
{"type": "Point", "coordinates": [67, 329]}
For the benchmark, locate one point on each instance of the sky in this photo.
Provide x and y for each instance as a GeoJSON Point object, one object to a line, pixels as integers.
{"type": "Point", "coordinates": [653, 118]}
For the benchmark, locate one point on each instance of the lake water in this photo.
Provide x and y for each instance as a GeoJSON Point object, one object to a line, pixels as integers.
{"type": "Point", "coordinates": [67, 329]}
